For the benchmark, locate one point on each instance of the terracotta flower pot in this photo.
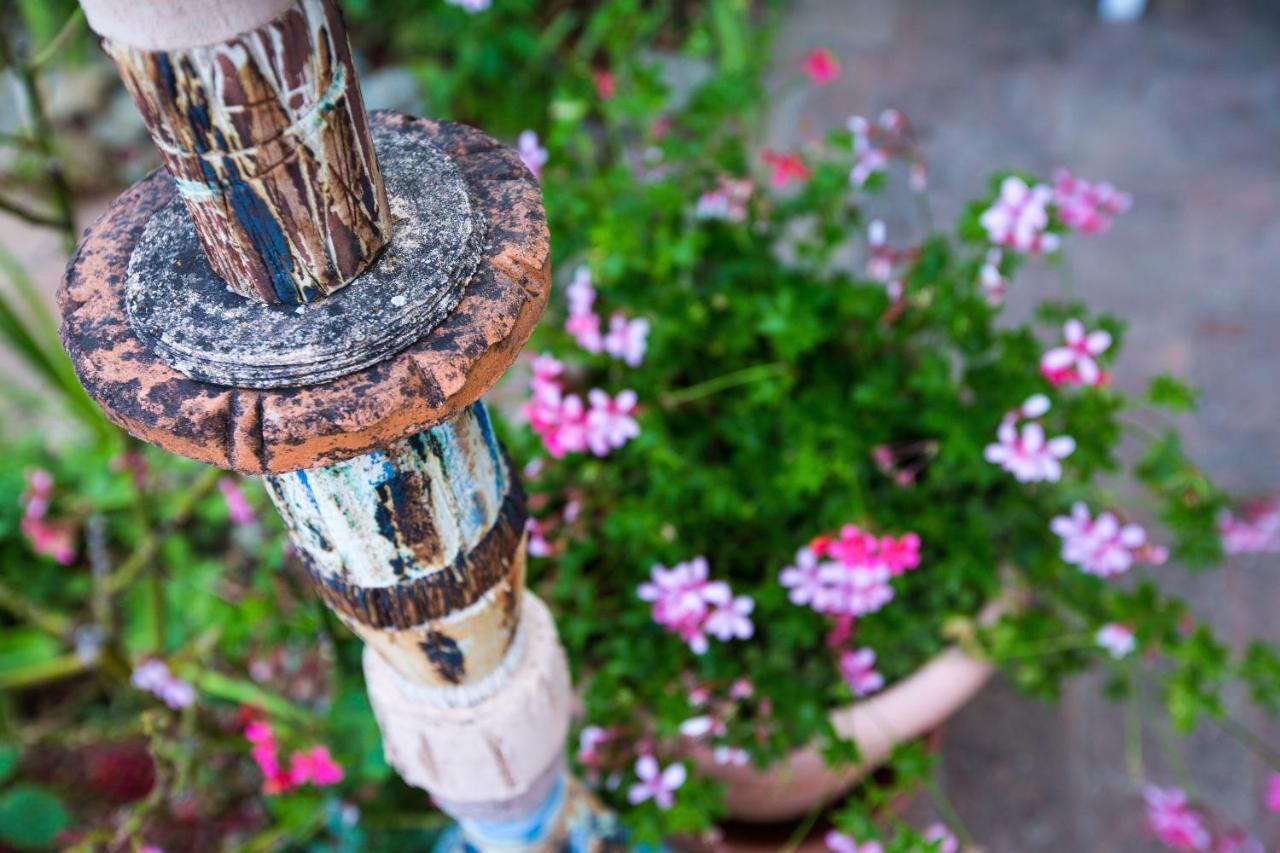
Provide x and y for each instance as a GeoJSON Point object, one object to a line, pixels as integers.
{"type": "Point", "coordinates": [904, 711]}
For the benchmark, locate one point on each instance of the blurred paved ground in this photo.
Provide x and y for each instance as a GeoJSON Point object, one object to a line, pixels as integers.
{"type": "Point", "coordinates": [1183, 110]}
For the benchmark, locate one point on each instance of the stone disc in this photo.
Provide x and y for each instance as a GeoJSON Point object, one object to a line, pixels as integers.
{"type": "Point", "coordinates": [188, 315]}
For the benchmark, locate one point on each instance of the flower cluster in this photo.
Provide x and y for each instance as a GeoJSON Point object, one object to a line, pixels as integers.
{"type": "Point", "coordinates": [1086, 207]}
{"type": "Point", "coordinates": [858, 666]}
{"type": "Point", "coordinates": [1173, 821]}
{"type": "Point", "coordinates": [1026, 453]}
{"type": "Point", "coordinates": [55, 539]}
{"type": "Point", "coordinates": [625, 340]}
{"type": "Point", "coordinates": [848, 575]}
{"type": "Point", "coordinates": [1117, 639]}
{"type": "Point", "coordinates": [1075, 362]}
{"type": "Point", "coordinates": [689, 604]}
{"type": "Point", "coordinates": [153, 676]}
{"type": "Point", "coordinates": [567, 425]}
{"type": "Point", "coordinates": [313, 766]}
{"type": "Point", "coordinates": [727, 202]}
{"type": "Point", "coordinates": [1103, 546]}
{"type": "Point", "coordinates": [884, 263]}
{"type": "Point", "coordinates": [874, 143]}
{"type": "Point", "coordinates": [1253, 528]}
{"type": "Point", "coordinates": [1019, 217]}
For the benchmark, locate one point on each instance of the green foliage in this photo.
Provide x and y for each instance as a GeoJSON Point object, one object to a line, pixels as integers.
{"type": "Point", "coordinates": [775, 370]}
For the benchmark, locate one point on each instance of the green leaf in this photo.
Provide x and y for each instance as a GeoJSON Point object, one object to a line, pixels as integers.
{"type": "Point", "coordinates": [1172, 393]}
{"type": "Point", "coordinates": [9, 753]}
{"type": "Point", "coordinates": [30, 817]}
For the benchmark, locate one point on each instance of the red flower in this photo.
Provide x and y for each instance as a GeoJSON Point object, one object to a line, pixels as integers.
{"type": "Point", "coordinates": [605, 86]}
{"type": "Point", "coordinates": [786, 168]}
{"type": "Point", "coordinates": [821, 66]}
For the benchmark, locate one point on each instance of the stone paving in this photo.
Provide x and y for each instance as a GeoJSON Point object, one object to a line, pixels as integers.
{"type": "Point", "coordinates": [1183, 110]}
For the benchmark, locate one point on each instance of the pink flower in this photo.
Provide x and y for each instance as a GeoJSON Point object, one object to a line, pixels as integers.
{"type": "Point", "coordinates": [1103, 546]}
{"type": "Point", "coordinates": [742, 688]}
{"type": "Point", "coordinates": [316, 766]}
{"type": "Point", "coordinates": [991, 282]}
{"type": "Point", "coordinates": [868, 158]}
{"type": "Point", "coordinates": [1086, 207]}
{"type": "Point", "coordinates": [605, 85]}
{"type": "Point", "coordinates": [802, 578]}
{"type": "Point", "coordinates": [538, 545]}
{"type": "Point", "coordinates": [900, 554]}
{"type": "Point", "coordinates": [1116, 639]}
{"type": "Point", "coordinates": [785, 168]}
{"type": "Point", "coordinates": [533, 154]}
{"type": "Point", "coordinates": [736, 756]}
{"type": "Point", "coordinates": [728, 201]}
{"type": "Point", "coordinates": [655, 783]}
{"type": "Point", "coordinates": [1075, 363]}
{"type": "Point", "coordinates": [1173, 821]}
{"type": "Point", "coordinates": [841, 843]}
{"type": "Point", "coordinates": [626, 339]}
{"type": "Point", "coordinates": [730, 619]}
{"type": "Point", "coordinates": [54, 539]}
{"type": "Point", "coordinates": [1273, 792]}
{"type": "Point", "coordinates": [1254, 528]}
{"type": "Point", "coordinates": [1026, 454]}
{"type": "Point", "coordinates": [938, 832]}
{"type": "Point", "coordinates": [859, 671]}
{"type": "Point", "coordinates": [821, 66]}
{"type": "Point", "coordinates": [583, 323]}
{"type": "Point", "coordinates": [590, 739]}
{"type": "Point", "coordinates": [610, 424]}
{"type": "Point", "coordinates": [1236, 840]}
{"type": "Point", "coordinates": [238, 508]}
{"type": "Point", "coordinates": [153, 676]}
{"type": "Point", "coordinates": [701, 726]}
{"type": "Point", "coordinates": [1019, 216]}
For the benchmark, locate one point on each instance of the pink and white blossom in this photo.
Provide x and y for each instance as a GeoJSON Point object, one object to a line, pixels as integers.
{"type": "Point", "coordinates": [153, 676]}
{"type": "Point", "coordinates": [991, 282]}
{"type": "Point", "coordinates": [656, 783]}
{"type": "Point", "coordinates": [731, 755]}
{"type": "Point", "coordinates": [1117, 639]}
{"type": "Point", "coordinates": [1075, 362]}
{"type": "Point", "coordinates": [727, 202]}
{"type": "Point", "coordinates": [855, 578]}
{"type": "Point", "coordinates": [1019, 216]}
{"type": "Point", "coordinates": [1236, 840]}
{"type": "Point", "coordinates": [1173, 821]}
{"type": "Point", "coordinates": [610, 423]}
{"type": "Point", "coordinates": [1272, 799]}
{"type": "Point", "coordinates": [471, 6]}
{"type": "Point", "coordinates": [56, 539]}
{"type": "Point", "coordinates": [946, 841]}
{"type": "Point", "coordinates": [869, 158]}
{"type": "Point", "coordinates": [1087, 207]}
{"type": "Point", "coordinates": [1103, 546]}
{"type": "Point", "coordinates": [732, 620]}
{"type": "Point", "coordinates": [838, 842]}
{"type": "Point", "coordinates": [1252, 528]}
{"type": "Point", "coordinates": [1027, 454]}
{"type": "Point", "coordinates": [538, 545]}
{"type": "Point", "coordinates": [858, 667]}
{"type": "Point", "coordinates": [590, 739]}
{"type": "Point", "coordinates": [626, 339]}
{"type": "Point", "coordinates": [532, 153]}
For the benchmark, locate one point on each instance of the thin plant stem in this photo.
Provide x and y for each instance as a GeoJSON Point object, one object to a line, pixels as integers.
{"type": "Point", "coordinates": [146, 549]}
{"type": "Point", "coordinates": [1251, 740]}
{"type": "Point", "coordinates": [949, 814]}
{"type": "Point", "coordinates": [42, 672]}
{"type": "Point", "coordinates": [28, 611]}
{"type": "Point", "coordinates": [68, 29]}
{"type": "Point", "coordinates": [1133, 728]}
{"type": "Point", "coordinates": [805, 826]}
{"type": "Point", "coordinates": [34, 217]}
{"type": "Point", "coordinates": [733, 379]}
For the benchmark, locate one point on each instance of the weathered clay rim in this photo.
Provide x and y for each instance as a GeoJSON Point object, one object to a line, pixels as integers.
{"type": "Point", "coordinates": [273, 431]}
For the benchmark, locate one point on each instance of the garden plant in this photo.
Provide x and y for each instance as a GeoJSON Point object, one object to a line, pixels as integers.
{"type": "Point", "coordinates": [780, 455]}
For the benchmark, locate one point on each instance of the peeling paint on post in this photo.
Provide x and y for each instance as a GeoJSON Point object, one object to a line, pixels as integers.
{"type": "Point", "coordinates": [417, 547]}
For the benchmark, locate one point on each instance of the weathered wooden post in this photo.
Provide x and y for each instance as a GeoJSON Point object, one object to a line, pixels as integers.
{"type": "Point", "coordinates": [322, 298]}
